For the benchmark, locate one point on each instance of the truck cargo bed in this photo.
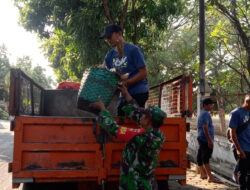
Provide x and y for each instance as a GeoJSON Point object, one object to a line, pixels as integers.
{"type": "Point", "coordinates": [56, 142]}
{"type": "Point", "coordinates": [50, 149]}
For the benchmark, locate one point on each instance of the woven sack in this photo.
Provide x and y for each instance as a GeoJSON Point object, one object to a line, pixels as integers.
{"type": "Point", "coordinates": [99, 82]}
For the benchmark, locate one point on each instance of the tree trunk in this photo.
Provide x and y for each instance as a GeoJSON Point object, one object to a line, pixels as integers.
{"type": "Point", "coordinates": [248, 60]}
{"type": "Point", "coordinates": [221, 113]}
{"type": "Point", "coordinates": [135, 38]}
{"type": "Point", "coordinates": [220, 99]}
{"type": "Point", "coordinates": [221, 110]}
{"type": "Point", "coordinates": [107, 13]}
{"type": "Point", "coordinates": [124, 12]}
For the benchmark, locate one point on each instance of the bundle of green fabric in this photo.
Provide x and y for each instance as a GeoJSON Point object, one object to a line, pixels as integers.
{"type": "Point", "coordinates": [100, 82]}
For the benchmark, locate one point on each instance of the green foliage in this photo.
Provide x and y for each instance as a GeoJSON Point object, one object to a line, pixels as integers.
{"type": "Point", "coordinates": [178, 53]}
{"type": "Point", "coordinates": [4, 64]}
{"type": "Point", "coordinates": [4, 115]}
{"type": "Point", "coordinates": [226, 67]}
{"type": "Point", "coordinates": [36, 73]}
{"type": "Point", "coordinates": [166, 30]}
{"type": "Point", "coordinates": [226, 51]}
{"type": "Point", "coordinates": [236, 31]}
{"type": "Point", "coordinates": [71, 28]}
{"type": "Point", "coordinates": [4, 73]}
{"type": "Point", "coordinates": [4, 94]}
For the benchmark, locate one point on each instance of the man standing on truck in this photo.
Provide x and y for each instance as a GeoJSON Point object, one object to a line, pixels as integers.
{"type": "Point", "coordinates": [241, 140]}
{"type": "Point", "coordinates": [140, 155]}
{"type": "Point", "coordinates": [205, 139]}
{"type": "Point", "coordinates": [126, 58]}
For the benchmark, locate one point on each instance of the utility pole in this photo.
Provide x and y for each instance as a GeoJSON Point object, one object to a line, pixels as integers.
{"type": "Point", "coordinates": [201, 93]}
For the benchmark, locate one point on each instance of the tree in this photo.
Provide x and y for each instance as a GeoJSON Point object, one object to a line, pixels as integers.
{"type": "Point", "coordinates": [166, 30]}
{"type": "Point", "coordinates": [227, 63]}
{"type": "Point", "coordinates": [177, 51]}
{"type": "Point", "coordinates": [226, 70]}
{"type": "Point", "coordinates": [24, 63]}
{"type": "Point", "coordinates": [4, 73]}
{"type": "Point", "coordinates": [72, 42]}
{"type": "Point", "coordinates": [237, 12]}
{"type": "Point", "coordinates": [4, 85]}
{"type": "Point", "coordinates": [36, 73]}
{"type": "Point", "coordinates": [4, 64]}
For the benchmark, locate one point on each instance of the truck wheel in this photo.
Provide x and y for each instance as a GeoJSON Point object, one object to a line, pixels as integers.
{"type": "Point", "coordinates": [112, 185]}
{"type": "Point", "coordinates": [50, 186]}
{"type": "Point", "coordinates": [28, 186]}
{"type": "Point", "coordinates": [162, 184]}
{"type": "Point", "coordinates": [89, 185]}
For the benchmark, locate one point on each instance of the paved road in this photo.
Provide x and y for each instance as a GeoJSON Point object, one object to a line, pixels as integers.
{"type": "Point", "coordinates": [6, 151]}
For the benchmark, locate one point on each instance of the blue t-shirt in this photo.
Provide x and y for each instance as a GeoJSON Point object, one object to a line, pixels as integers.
{"type": "Point", "coordinates": [131, 61]}
{"type": "Point", "coordinates": [238, 117]}
{"type": "Point", "coordinates": [205, 118]}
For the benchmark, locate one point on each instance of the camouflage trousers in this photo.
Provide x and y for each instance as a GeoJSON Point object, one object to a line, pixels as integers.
{"type": "Point", "coordinates": [128, 183]}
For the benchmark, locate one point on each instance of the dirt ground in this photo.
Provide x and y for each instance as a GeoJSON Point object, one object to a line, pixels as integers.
{"type": "Point", "coordinates": [195, 183]}
{"type": "Point", "coordinates": [6, 151]}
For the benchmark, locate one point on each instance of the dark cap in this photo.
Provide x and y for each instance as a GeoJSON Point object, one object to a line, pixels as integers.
{"type": "Point", "coordinates": [109, 30]}
{"type": "Point", "coordinates": [208, 101]}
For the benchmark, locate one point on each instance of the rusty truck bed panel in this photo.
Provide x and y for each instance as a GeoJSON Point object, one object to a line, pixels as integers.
{"type": "Point", "coordinates": [55, 149]}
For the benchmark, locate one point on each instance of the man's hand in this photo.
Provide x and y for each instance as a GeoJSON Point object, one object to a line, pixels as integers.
{"type": "Point", "coordinates": [239, 150]}
{"type": "Point", "coordinates": [124, 76]}
{"type": "Point", "coordinates": [98, 105]}
{"type": "Point", "coordinates": [138, 77]}
{"type": "Point", "coordinates": [123, 90]}
{"type": "Point", "coordinates": [241, 154]}
{"type": "Point", "coordinates": [209, 139]}
{"type": "Point", "coordinates": [125, 93]}
{"type": "Point", "coordinates": [125, 83]}
{"type": "Point", "coordinates": [102, 66]}
{"type": "Point", "coordinates": [210, 144]}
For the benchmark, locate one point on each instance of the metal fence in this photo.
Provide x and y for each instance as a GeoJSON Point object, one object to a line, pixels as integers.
{"type": "Point", "coordinates": [25, 95]}
{"type": "Point", "coordinates": [173, 96]}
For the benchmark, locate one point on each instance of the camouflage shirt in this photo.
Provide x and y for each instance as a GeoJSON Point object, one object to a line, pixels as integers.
{"type": "Point", "coordinates": [140, 155]}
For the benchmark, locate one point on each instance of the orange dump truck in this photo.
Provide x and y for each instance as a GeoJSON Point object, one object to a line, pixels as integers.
{"type": "Point", "coordinates": [54, 144]}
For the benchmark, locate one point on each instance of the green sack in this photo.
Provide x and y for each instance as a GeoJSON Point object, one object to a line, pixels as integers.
{"type": "Point", "coordinates": [99, 82]}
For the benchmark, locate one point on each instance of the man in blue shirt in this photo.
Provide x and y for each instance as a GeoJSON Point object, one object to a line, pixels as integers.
{"type": "Point", "coordinates": [241, 141]}
{"type": "Point", "coordinates": [205, 139]}
{"type": "Point", "coordinates": [126, 58]}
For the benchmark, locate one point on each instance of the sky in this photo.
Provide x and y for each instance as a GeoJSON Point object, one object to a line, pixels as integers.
{"type": "Point", "coordinates": [18, 41]}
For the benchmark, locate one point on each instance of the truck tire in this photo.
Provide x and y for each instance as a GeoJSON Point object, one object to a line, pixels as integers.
{"type": "Point", "coordinates": [50, 186]}
{"type": "Point", "coordinates": [28, 186]}
{"type": "Point", "coordinates": [112, 185]}
{"type": "Point", "coordinates": [162, 184]}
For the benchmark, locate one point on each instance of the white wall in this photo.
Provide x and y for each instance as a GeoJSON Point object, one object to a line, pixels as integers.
{"type": "Point", "coordinates": [222, 161]}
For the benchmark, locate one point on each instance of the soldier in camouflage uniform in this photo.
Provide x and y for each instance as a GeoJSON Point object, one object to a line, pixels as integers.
{"type": "Point", "coordinates": [139, 157]}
